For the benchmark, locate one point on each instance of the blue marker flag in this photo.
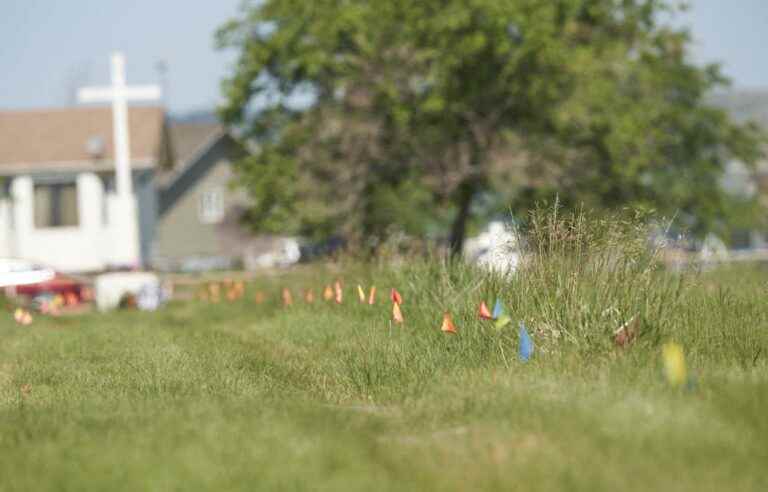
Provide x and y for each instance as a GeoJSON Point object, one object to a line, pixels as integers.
{"type": "Point", "coordinates": [498, 310]}
{"type": "Point", "coordinates": [526, 344]}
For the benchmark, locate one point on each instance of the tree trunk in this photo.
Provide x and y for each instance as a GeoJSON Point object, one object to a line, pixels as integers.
{"type": "Point", "coordinates": [464, 197]}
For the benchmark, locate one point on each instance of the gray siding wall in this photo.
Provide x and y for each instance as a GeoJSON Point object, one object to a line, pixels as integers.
{"type": "Point", "coordinates": [146, 196]}
{"type": "Point", "coordinates": [181, 234]}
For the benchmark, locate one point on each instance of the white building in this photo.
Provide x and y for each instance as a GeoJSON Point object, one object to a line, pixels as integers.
{"type": "Point", "coordinates": [98, 188]}
{"type": "Point", "coordinates": [58, 199]}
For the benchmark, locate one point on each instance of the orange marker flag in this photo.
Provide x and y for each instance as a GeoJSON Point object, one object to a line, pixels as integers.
{"type": "Point", "coordinates": [232, 294]}
{"type": "Point", "coordinates": [338, 291]}
{"type": "Point", "coordinates": [397, 314]}
{"type": "Point", "coordinates": [448, 326]}
{"type": "Point", "coordinates": [309, 296]}
{"type": "Point", "coordinates": [372, 296]}
{"type": "Point", "coordinates": [258, 298]}
{"type": "Point", "coordinates": [202, 295]}
{"type": "Point", "coordinates": [361, 293]}
{"type": "Point", "coordinates": [484, 312]}
{"type": "Point", "coordinates": [395, 296]}
{"type": "Point", "coordinates": [287, 297]}
{"type": "Point", "coordinates": [328, 293]}
{"type": "Point", "coordinates": [238, 289]}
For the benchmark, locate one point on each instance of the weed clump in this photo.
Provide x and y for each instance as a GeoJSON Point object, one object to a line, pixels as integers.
{"type": "Point", "coordinates": [583, 276]}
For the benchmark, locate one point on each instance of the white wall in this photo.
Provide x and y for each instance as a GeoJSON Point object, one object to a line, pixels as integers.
{"type": "Point", "coordinates": [6, 232]}
{"type": "Point", "coordinates": [92, 245]}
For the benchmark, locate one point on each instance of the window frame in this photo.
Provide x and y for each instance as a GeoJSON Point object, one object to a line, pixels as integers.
{"type": "Point", "coordinates": [210, 206]}
{"type": "Point", "coordinates": [54, 214]}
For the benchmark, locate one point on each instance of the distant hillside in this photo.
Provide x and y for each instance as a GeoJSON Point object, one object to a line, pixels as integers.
{"type": "Point", "coordinates": [745, 105]}
{"type": "Point", "coordinates": [201, 117]}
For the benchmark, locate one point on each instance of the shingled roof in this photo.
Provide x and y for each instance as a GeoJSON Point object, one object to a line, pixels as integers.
{"type": "Point", "coordinates": [189, 141]}
{"type": "Point", "coordinates": [190, 138]}
{"type": "Point", "coordinates": [58, 138]}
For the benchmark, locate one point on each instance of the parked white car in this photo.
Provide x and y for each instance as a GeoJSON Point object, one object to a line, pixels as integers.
{"type": "Point", "coordinates": [15, 273]}
{"type": "Point", "coordinates": [495, 249]}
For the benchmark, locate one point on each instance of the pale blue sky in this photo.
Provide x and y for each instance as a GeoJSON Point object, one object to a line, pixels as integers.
{"type": "Point", "coordinates": [50, 47]}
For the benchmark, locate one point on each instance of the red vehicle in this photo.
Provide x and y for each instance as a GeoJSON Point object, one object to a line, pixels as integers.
{"type": "Point", "coordinates": [28, 279]}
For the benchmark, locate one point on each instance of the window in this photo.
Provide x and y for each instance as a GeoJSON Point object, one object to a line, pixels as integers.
{"type": "Point", "coordinates": [56, 205]}
{"type": "Point", "coordinates": [210, 208]}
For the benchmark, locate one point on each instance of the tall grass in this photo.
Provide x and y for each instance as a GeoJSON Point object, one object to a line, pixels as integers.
{"type": "Point", "coordinates": [580, 278]}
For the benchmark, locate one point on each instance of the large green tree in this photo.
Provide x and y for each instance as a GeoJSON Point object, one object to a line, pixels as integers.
{"type": "Point", "coordinates": [371, 114]}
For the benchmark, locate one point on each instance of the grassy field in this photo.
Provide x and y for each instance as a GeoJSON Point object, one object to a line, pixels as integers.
{"type": "Point", "coordinates": [235, 396]}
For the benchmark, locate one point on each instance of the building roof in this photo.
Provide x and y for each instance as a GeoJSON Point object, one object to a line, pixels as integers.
{"type": "Point", "coordinates": [190, 141]}
{"type": "Point", "coordinates": [190, 138]}
{"type": "Point", "coordinates": [60, 138]}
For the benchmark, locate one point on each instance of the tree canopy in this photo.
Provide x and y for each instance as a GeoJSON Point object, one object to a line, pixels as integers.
{"type": "Point", "coordinates": [373, 115]}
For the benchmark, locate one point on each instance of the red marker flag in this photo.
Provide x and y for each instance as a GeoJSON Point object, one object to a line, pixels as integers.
{"type": "Point", "coordinates": [396, 297]}
{"type": "Point", "coordinates": [484, 312]}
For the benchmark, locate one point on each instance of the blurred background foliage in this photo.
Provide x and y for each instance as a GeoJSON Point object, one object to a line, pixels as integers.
{"type": "Point", "coordinates": [427, 116]}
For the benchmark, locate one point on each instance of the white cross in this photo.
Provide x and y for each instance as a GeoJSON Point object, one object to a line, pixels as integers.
{"type": "Point", "coordinates": [119, 94]}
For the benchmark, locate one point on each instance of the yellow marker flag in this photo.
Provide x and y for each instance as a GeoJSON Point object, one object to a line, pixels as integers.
{"type": "Point", "coordinates": [674, 364]}
{"type": "Point", "coordinates": [361, 293]}
{"type": "Point", "coordinates": [397, 314]}
{"type": "Point", "coordinates": [503, 321]}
